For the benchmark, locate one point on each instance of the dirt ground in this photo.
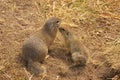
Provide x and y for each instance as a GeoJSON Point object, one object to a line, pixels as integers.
{"type": "Point", "coordinates": [95, 22]}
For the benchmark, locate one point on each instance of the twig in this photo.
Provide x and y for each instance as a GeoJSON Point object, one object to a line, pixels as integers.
{"type": "Point", "coordinates": [6, 75]}
{"type": "Point", "coordinates": [26, 72]}
{"type": "Point", "coordinates": [38, 9]}
{"type": "Point", "coordinates": [43, 77]}
{"type": "Point", "coordinates": [47, 57]}
{"type": "Point", "coordinates": [54, 6]}
{"type": "Point", "coordinates": [31, 77]}
{"type": "Point", "coordinates": [57, 78]}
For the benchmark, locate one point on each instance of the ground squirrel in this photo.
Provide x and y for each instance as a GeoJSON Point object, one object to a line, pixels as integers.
{"type": "Point", "coordinates": [76, 49]}
{"type": "Point", "coordinates": [35, 48]}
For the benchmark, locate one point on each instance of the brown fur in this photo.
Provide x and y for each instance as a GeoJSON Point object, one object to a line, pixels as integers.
{"type": "Point", "coordinates": [76, 49]}
{"type": "Point", "coordinates": [35, 49]}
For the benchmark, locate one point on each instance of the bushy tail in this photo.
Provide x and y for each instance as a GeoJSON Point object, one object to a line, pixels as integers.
{"type": "Point", "coordinates": [35, 68]}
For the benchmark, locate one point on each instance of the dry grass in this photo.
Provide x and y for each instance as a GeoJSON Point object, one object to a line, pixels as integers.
{"type": "Point", "coordinates": [96, 22]}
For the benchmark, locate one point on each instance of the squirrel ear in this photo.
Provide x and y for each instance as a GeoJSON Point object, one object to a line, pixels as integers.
{"type": "Point", "coordinates": [58, 22]}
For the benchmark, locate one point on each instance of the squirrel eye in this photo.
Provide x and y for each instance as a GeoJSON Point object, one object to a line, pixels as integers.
{"type": "Point", "coordinates": [57, 22]}
{"type": "Point", "coordinates": [63, 29]}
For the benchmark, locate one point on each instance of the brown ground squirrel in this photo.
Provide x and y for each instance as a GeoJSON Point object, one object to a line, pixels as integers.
{"type": "Point", "coordinates": [76, 49]}
{"type": "Point", "coordinates": [35, 48]}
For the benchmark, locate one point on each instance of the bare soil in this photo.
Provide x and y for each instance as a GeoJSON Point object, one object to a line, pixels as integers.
{"type": "Point", "coordinates": [95, 23]}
